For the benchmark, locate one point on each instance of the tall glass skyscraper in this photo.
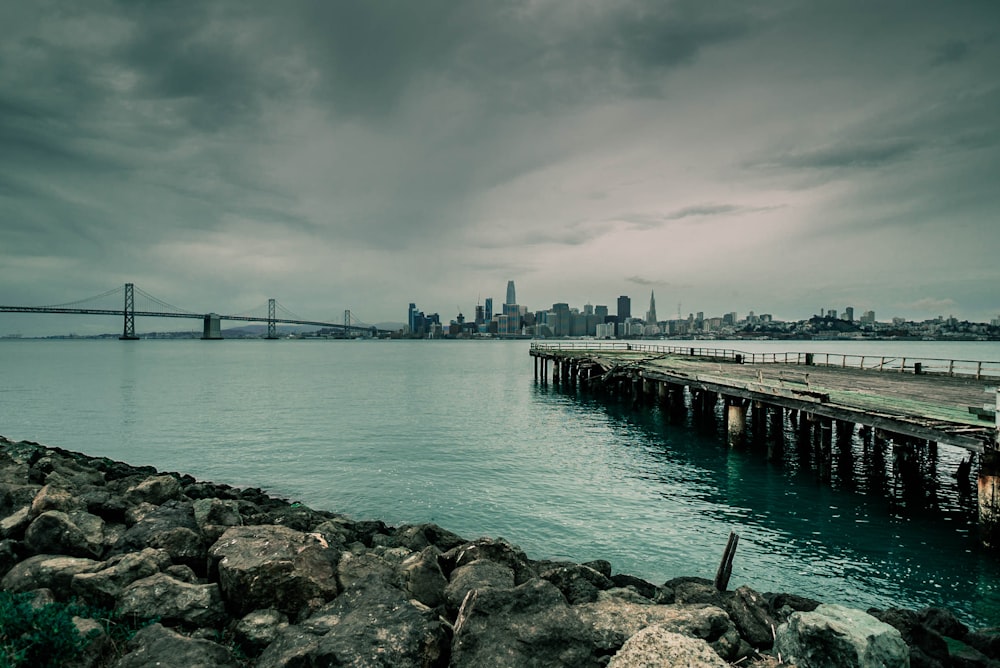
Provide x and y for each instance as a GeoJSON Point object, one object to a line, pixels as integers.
{"type": "Point", "coordinates": [511, 296]}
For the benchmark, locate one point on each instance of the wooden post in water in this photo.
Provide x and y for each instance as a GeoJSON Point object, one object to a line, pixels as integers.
{"type": "Point", "coordinates": [989, 487]}
{"type": "Point", "coordinates": [726, 565]}
{"type": "Point", "coordinates": [736, 421]}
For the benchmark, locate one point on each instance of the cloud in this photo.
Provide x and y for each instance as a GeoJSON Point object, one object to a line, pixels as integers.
{"type": "Point", "coordinates": [951, 52]}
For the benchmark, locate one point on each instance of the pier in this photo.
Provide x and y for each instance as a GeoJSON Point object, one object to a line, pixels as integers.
{"type": "Point", "coordinates": [912, 402]}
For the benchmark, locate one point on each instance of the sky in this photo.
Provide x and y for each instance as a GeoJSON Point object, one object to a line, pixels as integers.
{"type": "Point", "coordinates": [780, 156]}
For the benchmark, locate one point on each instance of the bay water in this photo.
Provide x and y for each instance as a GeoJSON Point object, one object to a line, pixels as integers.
{"type": "Point", "coordinates": [459, 433]}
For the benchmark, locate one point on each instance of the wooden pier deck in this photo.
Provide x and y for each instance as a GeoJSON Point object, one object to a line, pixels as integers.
{"type": "Point", "coordinates": [945, 401]}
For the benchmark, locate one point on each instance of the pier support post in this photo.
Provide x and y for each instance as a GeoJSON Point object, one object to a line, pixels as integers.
{"type": "Point", "coordinates": [989, 498]}
{"type": "Point", "coordinates": [736, 421]}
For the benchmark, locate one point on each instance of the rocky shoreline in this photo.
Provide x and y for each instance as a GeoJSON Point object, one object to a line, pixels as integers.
{"type": "Point", "coordinates": [152, 568]}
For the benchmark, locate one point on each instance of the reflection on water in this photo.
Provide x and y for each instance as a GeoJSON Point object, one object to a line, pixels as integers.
{"type": "Point", "coordinates": [834, 513]}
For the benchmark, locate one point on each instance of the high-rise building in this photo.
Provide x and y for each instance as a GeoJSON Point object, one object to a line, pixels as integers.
{"type": "Point", "coordinates": [849, 314]}
{"type": "Point", "coordinates": [511, 296]}
{"type": "Point", "coordinates": [410, 313]}
{"type": "Point", "coordinates": [651, 313]}
{"type": "Point", "coordinates": [489, 309]}
{"type": "Point", "coordinates": [601, 311]}
{"type": "Point", "coordinates": [624, 308]}
{"type": "Point", "coordinates": [512, 318]}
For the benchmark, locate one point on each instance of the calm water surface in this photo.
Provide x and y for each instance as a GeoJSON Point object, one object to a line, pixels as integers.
{"type": "Point", "coordinates": [459, 433]}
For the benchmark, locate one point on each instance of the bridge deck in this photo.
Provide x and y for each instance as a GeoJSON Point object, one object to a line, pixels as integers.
{"type": "Point", "coordinates": [935, 407]}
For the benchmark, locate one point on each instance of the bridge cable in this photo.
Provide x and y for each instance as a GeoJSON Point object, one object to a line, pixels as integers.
{"type": "Point", "coordinates": [117, 290]}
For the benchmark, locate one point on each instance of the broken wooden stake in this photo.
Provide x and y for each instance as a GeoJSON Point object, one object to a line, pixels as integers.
{"type": "Point", "coordinates": [726, 565]}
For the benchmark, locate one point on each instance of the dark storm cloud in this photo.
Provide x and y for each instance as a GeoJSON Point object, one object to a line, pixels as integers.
{"type": "Point", "coordinates": [952, 51]}
{"type": "Point", "coordinates": [846, 155]}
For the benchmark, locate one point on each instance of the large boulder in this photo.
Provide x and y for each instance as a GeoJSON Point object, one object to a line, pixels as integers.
{"type": "Point", "coordinates": [56, 532]}
{"type": "Point", "coordinates": [655, 646]}
{"type": "Point", "coordinates": [158, 646]}
{"type": "Point", "coordinates": [259, 629]}
{"type": "Point", "coordinates": [614, 620]}
{"type": "Point", "coordinates": [422, 578]}
{"type": "Point", "coordinates": [341, 633]}
{"type": "Point", "coordinates": [497, 550]}
{"type": "Point", "coordinates": [47, 571]}
{"type": "Point", "coordinates": [355, 567]}
{"type": "Point", "coordinates": [749, 611]}
{"type": "Point", "coordinates": [173, 601]}
{"type": "Point", "coordinates": [104, 586]}
{"type": "Point", "coordinates": [835, 636]}
{"type": "Point", "coordinates": [528, 625]}
{"type": "Point", "coordinates": [478, 574]}
{"type": "Point", "coordinates": [579, 584]}
{"type": "Point", "coordinates": [156, 490]}
{"type": "Point", "coordinates": [274, 566]}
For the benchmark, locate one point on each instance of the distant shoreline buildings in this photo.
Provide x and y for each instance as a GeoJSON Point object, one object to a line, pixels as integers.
{"type": "Point", "coordinates": [563, 321]}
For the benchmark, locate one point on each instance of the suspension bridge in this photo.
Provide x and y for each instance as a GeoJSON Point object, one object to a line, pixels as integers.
{"type": "Point", "coordinates": [153, 307]}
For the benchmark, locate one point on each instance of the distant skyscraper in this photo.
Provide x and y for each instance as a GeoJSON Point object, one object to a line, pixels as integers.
{"type": "Point", "coordinates": [511, 296]}
{"type": "Point", "coordinates": [489, 309]}
{"type": "Point", "coordinates": [624, 308]}
{"type": "Point", "coordinates": [651, 313]}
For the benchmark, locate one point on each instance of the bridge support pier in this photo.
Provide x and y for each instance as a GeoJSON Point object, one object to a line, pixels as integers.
{"type": "Point", "coordinates": [212, 331]}
{"type": "Point", "coordinates": [128, 331]}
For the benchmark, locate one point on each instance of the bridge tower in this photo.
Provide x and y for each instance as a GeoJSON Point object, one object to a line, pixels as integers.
{"type": "Point", "coordinates": [128, 332]}
{"type": "Point", "coordinates": [347, 321]}
{"type": "Point", "coordinates": [272, 332]}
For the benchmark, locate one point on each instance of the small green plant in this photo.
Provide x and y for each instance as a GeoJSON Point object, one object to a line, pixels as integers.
{"type": "Point", "coordinates": [45, 635]}
{"type": "Point", "coordinates": [37, 635]}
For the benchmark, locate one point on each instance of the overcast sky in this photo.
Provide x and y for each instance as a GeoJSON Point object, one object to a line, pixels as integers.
{"type": "Point", "coordinates": [779, 156]}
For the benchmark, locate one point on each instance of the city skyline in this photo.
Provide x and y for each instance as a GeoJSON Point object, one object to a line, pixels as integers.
{"type": "Point", "coordinates": [771, 156]}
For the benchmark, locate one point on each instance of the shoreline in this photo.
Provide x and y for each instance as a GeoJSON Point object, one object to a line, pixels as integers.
{"type": "Point", "coordinates": [245, 578]}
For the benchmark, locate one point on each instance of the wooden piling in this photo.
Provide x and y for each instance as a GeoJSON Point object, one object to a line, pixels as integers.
{"type": "Point", "coordinates": [736, 421]}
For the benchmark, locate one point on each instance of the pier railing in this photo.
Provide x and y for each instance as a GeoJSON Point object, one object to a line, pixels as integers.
{"type": "Point", "coordinates": [885, 363]}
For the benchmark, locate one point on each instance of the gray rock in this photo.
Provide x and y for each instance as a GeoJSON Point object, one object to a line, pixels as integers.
{"type": "Point", "coordinates": [148, 523]}
{"type": "Point", "coordinates": [158, 646]}
{"type": "Point", "coordinates": [416, 537]}
{"type": "Point", "coordinates": [156, 490]}
{"type": "Point", "coordinates": [50, 497]}
{"type": "Point", "coordinates": [835, 636]}
{"type": "Point", "coordinates": [644, 588]}
{"type": "Point", "coordinates": [174, 602]}
{"type": "Point", "coordinates": [497, 550]}
{"type": "Point", "coordinates": [341, 633]}
{"type": "Point", "coordinates": [528, 625]}
{"type": "Point", "coordinates": [184, 546]}
{"type": "Point", "coordinates": [182, 573]}
{"type": "Point", "coordinates": [422, 577]}
{"type": "Point", "coordinates": [579, 584]}
{"type": "Point", "coordinates": [14, 525]}
{"type": "Point", "coordinates": [47, 571]}
{"type": "Point", "coordinates": [406, 636]}
{"type": "Point", "coordinates": [355, 568]}
{"type": "Point", "coordinates": [944, 622]}
{"type": "Point", "coordinates": [478, 574]}
{"type": "Point", "coordinates": [54, 532]}
{"type": "Point", "coordinates": [223, 512]}
{"type": "Point", "coordinates": [95, 643]}
{"type": "Point", "coordinates": [614, 620]}
{"type": "Point", "coordinates": [104, 586]}
{"type": "Point", "coordinates": [654, 647]}
{"type": "Point", "coordinates": [749, 612]}
{"type": "Point", "coordinates": [259, 629]}
{"type": "Point", "coordinates": [274, 566]}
